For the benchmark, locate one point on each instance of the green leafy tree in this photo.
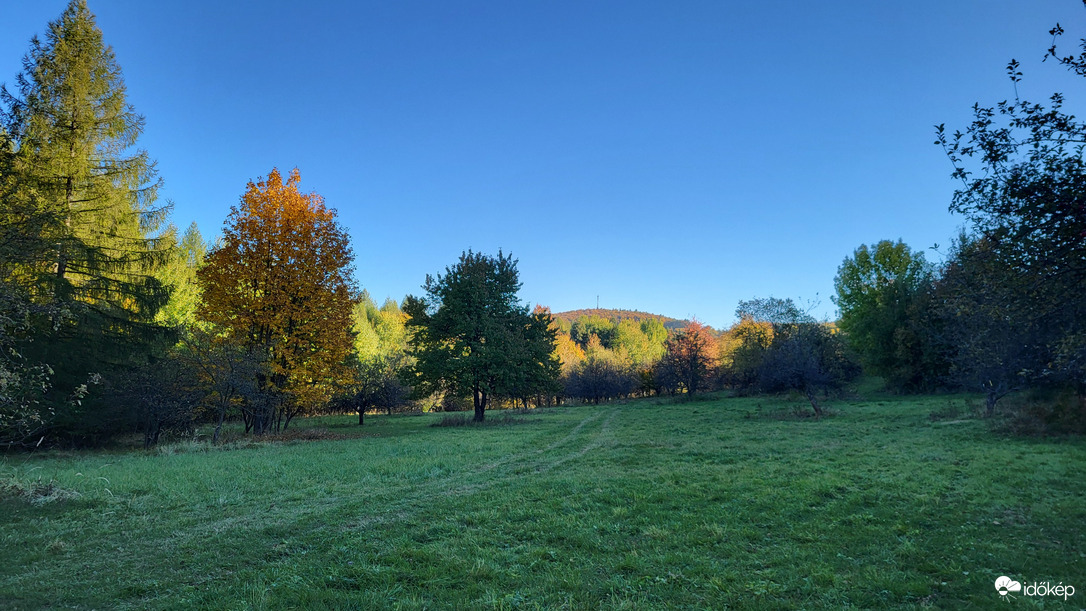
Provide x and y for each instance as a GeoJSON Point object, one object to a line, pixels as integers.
{"type": "Point", "coordinates": [25, 416]}
{"type": "Point", "coordinates": [367, 344]}
{"type": "Point", "coordinates": [998, 343]}
{"type": "Point", "coordinates": [472, 337]}
{"type": "Point", "coordinates": [587, 326]}
{"type": "Point", "coordinates": [744, 349]}
{"type": "Point", "coordinates": [538, 381]}
{"type": "Point", "coordinates": [600, 377]}
{"type": "Point", "coordinates": [750, 340]}
{"type": "Point", "coordinates": [376, 385]}
{"type": "Point", "coordinates": [380, 332]}
{"type": "Point", "coordinates": [881, 290]}
{"type": "Point", "coordinates": [777, 346]}
{"type": "Point", "coordinates": [164, 396]}
{"type": "Point", "coordinates": [381, 355]}
{"type": "Point", "coordinates": [772, 310]}
{"type": "Point", "coordinates": [640, 347]}
{"type": "Point", "coordinates": [656, 334]}
{"type": "Point", "coordinates": [1023, 187]}
{"type": "Point", "coordinates": [226, 372]}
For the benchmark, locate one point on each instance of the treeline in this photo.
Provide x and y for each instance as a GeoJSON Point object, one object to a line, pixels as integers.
{"type": "Point", "coordinates": [617, 316]}
{"type": "Point", "coordinates": [775, 347]}
{"type": "Point", "coordinates": [1005, 312]}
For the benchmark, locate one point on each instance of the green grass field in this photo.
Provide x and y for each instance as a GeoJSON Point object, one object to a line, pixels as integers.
{"type": "Point", "coordinates": [723, 503]}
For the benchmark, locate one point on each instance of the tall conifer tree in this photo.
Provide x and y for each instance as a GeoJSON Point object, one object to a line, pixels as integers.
{"type": "Point", "coordinates": [74, 134]}
{"type": "Point", "coordinates": [81, 198]}
{"type": "Point", "coordinates": [179, 275]}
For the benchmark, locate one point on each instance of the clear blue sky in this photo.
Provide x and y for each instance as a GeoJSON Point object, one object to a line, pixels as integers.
{"type": "Point", "coordinates": [672, 157]}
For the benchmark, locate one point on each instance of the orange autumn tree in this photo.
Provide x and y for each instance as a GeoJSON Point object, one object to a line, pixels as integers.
{"type": "Point", "coordinates": [690, 357]}
{"type": "Point", "coordinates": [279, 283]}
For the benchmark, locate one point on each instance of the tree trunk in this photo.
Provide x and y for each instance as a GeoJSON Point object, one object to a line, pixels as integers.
{"type": "Point", "coordinates": [814, 403]}
{"type": "Point", "coordinates": [361, 413]}
{"type": "Point", "coordinates": [218, 429]}
{"type": "Point", "coordinates": [480, 405]}
{"type": "Point", "coordinates": [993, 393]}
{"type": "Point", "coordinates": [69, 194]}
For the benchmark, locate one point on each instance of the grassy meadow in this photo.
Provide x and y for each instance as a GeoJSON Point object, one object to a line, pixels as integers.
{"type": "Point", "coordinates": [650, 504]}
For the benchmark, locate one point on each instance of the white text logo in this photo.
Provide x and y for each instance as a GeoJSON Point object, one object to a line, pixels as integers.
{"type": "Point", "coordinates": [1005, 585]}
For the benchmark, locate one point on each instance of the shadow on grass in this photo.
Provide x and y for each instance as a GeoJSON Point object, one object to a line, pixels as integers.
{"type": "Point", "coordinates": [798, 412]}
{"type": "Point", "coordinates": [954, 411]}
{"type": "Point", "coordinates": [684, 398]}
{"type": "Point", "coordinates": [506, 419]}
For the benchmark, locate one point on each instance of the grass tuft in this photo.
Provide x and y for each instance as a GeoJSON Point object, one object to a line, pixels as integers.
{"type": "Point", "coordinates": [35, 492]}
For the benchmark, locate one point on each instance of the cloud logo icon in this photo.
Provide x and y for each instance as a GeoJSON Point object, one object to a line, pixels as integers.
{"type": "Point", "coordinates": [1005, 584]}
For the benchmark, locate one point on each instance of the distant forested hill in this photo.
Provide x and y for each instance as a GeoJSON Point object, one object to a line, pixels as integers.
{"type": "Point", "coordinates": [620, 315]}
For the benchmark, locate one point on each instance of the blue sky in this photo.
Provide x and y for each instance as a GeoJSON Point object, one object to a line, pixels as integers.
{"type": "Point", "coordinates": [672, 157]}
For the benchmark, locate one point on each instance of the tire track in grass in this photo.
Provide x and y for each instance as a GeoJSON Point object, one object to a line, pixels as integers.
{"type": "Point", "coordinates": [386, 504]}
{"type": "Point", "coordinates": [544, 466]}
{"type": "Point", "coordinates": [401, 501]}
{"type": "Point", "coordinates": [419, 497]}
{"type": "Point", "coordinates": [573, 433]}
{"type": "Point", "coordinates": [603, 435]}
{"type": "Point", "coordinates": [515, 457]}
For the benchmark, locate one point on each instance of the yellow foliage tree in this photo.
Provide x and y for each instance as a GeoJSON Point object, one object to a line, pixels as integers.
{"type": "Point", "coordinates": [280, 284]}
{"type": "Point", "coordinates": [568, 352]}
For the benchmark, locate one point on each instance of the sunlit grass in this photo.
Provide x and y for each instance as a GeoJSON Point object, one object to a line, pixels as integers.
{"type": "Point", "coordinates": [650, 504]}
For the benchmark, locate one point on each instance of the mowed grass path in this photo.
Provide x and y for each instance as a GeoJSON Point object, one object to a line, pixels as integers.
{"type": "Point", "coordinates": [644, 505]}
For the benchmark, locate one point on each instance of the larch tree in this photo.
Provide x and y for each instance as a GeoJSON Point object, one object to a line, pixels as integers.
{"type": "Point", "coordinates": [380, 332]}
{"type": "Point", "coordinates": [280, 283]}
{"type": "Point", "coordinates": [78, 205]}
{"type": "Point", "coordinates": [179, 275]}
{"type": "Point", "coordinates": [380, 346]}
{"type": "Point", "coordinates": [78, 174]}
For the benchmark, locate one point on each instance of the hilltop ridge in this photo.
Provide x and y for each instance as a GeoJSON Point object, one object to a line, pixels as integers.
{"type": "Point", "coordinates": [619, 315]}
